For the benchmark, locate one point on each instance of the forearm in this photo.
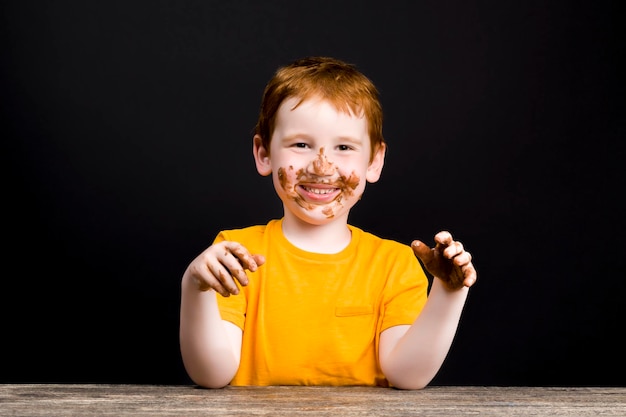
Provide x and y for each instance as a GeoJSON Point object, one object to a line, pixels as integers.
{"type": "Point", "coordinates": [411, 358]}
{"type": "Point", "coordinates": [209, 353]}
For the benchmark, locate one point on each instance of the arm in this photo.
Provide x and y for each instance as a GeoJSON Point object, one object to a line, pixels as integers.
{"type": "Point", "coordinates": [210, 346]}
{"type": "Point", "coordinates": [410, 356]}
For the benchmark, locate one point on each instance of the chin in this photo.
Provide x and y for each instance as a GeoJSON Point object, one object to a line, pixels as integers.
{"type": "Point", "coordinates": [316, 219]}
{"type": "Point", "coordinates": [319, 215]}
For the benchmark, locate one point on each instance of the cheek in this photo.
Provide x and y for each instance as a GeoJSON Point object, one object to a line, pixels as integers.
{"type": "Point", "coordinates": [286, 178]}
{"type": "Point", "coordinates": [350, 182]}
{"type": "Point", "coordinates": [281, 177]}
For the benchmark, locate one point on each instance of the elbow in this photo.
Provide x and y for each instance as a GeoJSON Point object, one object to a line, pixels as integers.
{"type": "Point", "coordinates": [405, 377]}
{"type": "Point", "coordinates": [208, 374]}
{"type": "Point", "coordinates": [416, 384]}
{"type": "Point", "coordinates": [207, 377]}
{"type": "Point", "coordinates": [406, 380]}
{"type": "Point", "coordinates": [210, 383]}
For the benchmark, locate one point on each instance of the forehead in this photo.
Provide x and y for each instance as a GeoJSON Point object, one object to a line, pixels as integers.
{"type": "Point", "coordinates": [318, 114]}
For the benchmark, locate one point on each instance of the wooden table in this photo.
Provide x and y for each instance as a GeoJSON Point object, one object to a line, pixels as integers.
{"type": "Point", "coordinates": [155, 400]}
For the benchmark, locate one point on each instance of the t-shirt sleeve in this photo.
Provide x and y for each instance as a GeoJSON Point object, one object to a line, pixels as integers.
{"type": "Point", "coordinates": [232, 308]}
{"type": "Point", "coordinates": [406, 290]}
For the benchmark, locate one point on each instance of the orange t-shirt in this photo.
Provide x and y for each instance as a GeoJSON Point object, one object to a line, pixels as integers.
{"type": "Point", "coordinates": [315, 319]}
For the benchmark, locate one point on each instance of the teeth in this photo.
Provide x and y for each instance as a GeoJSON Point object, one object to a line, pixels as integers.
{"type": "Point", "coordinates": [319, 190]}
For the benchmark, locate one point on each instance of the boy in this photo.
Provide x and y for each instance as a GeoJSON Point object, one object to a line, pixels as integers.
{"type": "Point", "coordinates": [322, 302]}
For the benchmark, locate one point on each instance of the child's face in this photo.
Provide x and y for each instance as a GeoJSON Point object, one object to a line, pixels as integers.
{"type": "Point", "coordinates": [320, 160]}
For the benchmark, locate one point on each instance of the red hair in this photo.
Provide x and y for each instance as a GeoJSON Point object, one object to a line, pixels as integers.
{"type": "Point", "coordinates": [326, 78]}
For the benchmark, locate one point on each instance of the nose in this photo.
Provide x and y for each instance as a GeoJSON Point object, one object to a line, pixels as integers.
{"type": "Point", "coordinates": [321, 166]}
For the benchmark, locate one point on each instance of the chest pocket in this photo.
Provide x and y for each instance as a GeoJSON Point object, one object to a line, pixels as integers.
{"type": "Point", "coordinates": [349, 311]}
{"type": "Point", "coordinates": [354, 332]}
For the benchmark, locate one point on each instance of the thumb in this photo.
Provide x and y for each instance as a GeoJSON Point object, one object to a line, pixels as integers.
{"type": "Point", "coordinates": [422, 251]}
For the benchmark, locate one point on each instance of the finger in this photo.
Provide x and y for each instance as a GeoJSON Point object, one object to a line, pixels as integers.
{"type": "Point", "coordinates": [236, 267]}
{"type": "Point", "coordinates": [422, 251]}
{"type": "Point", "coordinates": [206, 281]}
{"type": "Point", "coordinates": [468, 282]}
{"type": "Point", "coordinates": [443, 238]}
{"type": "Point", "coordinates": [243, 255]}
{"type": "Point", "coordinates": [199, 271]}
{"type": "Point", "coordinates": [259, 259]}
{"type": "Point", "coordinates": [216, 286]}
{"type": "Point", "coordinates": [221, 277]}
{"type": "Point", "coordinates": [454, 249]}
{"type": "Point", "coordinates": [462, 259]}
{"type": "Point", "coordinates": [470, 275]}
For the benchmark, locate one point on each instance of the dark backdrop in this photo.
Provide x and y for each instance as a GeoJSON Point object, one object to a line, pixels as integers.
{"type": "Point", "coordinates": [127, 146]}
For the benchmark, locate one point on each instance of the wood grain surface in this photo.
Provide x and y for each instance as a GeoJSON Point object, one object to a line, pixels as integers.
{"type": "Point", "coordinates": [155, 400]}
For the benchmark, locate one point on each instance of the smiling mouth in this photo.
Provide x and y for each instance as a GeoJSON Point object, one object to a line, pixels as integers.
{"type": "Point", "coordinates": [319, 191]}
{"type": "Point", "coordinates": [318, 194]}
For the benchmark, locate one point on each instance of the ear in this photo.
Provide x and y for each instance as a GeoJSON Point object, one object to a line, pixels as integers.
{"type": "Point", "coordinates": [261, 156]}
{"type": "Point", "coordinates": [376, 166]}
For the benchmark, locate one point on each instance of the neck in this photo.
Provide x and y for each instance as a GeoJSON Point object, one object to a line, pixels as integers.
{"type": "Point", "coordinates": [331, 237]}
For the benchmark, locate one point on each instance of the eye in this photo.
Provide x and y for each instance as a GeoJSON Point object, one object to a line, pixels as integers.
{"type": "Point", "coordinates": [301, 145]}
{"type": "Point", "coordinates": [344, 147]}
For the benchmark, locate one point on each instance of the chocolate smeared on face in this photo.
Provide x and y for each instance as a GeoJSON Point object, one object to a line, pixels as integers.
{"type": "Point", "coordinates": [283, 178]}
{"type": "Point", "coordinates": [328, 212]}
{"type": "Point", "coordinates": [321, 167]}
{"type": "Point", "coordinates": [351, 182]}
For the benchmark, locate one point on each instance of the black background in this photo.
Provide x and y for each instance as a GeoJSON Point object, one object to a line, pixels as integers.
{"type": "Point", "coordinates": [127, 146]}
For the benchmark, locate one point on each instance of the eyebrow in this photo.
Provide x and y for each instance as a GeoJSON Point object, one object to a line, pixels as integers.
{"type": "Point", "coordinates": [297, 136]}
{"type": "Point", "coordinates": [350, 139]}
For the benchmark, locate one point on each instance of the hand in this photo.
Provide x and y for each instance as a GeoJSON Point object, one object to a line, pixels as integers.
{"type": "Point", "coordinates": [447, 261]}
{"type": "Point", "coordinates": [221, 264]}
